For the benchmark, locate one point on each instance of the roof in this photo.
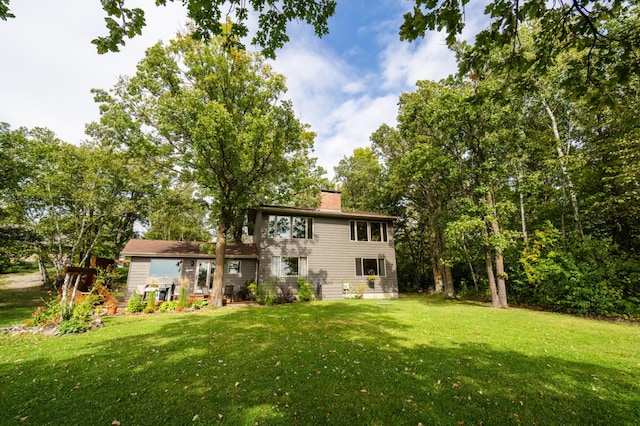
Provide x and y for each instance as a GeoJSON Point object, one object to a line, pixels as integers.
{"type": "Point", "coordinates": [162, 248]}
{"type": "Point", "coordinates": [326, 213]}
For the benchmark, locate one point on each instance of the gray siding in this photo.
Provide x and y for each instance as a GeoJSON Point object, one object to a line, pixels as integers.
{"type": "Point", "coordinates": [331, 257]}
{"type": "Point", "coordinates": [139, 274]}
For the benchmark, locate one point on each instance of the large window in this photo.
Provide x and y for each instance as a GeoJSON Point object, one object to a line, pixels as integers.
{"type": "Point", "coordinates": [370, 267]}
{"type": "Point", "coordinates": [165, 270]}
{"type": "Point", "coordinates": [288, 266]}
{"type": "Point", "coordinates": [287, 227]}
{"type": "Point", "coordinates": [368, 231]}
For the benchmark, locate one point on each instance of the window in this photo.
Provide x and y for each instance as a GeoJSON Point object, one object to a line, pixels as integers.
{"type": "Point", "coordinates": [368, 231]}
{"type": "Point", "coordinates": [165, 270]}
{"type": "Point", "coordinates": [233, 266]}
{"type": "Point", "coordinates": [205, 271]}
{"type": "Point", "coordinates": [288, 266]}
{"type": "Point", "coordinates": [370, 267]}
{"type": "Point", "coordinates": [287, 227]}
{"type": "Point", "coordinates": [378, 231]}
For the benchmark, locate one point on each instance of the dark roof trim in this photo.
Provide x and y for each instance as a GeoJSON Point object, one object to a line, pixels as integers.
{"type": "Point", "coordinates": [326, 213]}
{"type": "Point", "coordinates": [185, 249]}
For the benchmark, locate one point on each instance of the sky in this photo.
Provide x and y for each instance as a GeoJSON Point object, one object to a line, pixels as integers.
{"type": "Point", "coordinates": [344, 86]}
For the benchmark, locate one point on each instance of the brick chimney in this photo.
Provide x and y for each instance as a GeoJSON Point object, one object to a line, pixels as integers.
{"type": "Point", "coordinates": [330, 200]}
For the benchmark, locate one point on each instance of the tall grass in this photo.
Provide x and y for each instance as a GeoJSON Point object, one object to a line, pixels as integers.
{"type": "Point", "coordinates": [407, 361]}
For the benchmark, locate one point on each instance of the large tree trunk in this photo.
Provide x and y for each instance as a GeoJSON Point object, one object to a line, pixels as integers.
{"type": "Point", "coordinates": [495, 302]}
{"type": "Point", "coordinates": [215, 298]}
{"type": "Point", "coordinates": [501, 276]}
{"type": "Point", "coordinates": [449, 290]}
{"type": "Point", "coordinates": [563, 167]}
{"type": "Point", "coordinates": [434, 249]}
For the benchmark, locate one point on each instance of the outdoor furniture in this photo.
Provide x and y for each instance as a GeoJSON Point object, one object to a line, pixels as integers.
{"type": "Point", "coordinates": [229, 293]}
{"type": "Point", "coordinates": [165, 293]}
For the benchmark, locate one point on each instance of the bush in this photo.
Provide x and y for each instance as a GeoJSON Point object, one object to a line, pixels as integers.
{"type": "Point", "coordinates": [305, 290]}
{"type": "Point", "coordinates": [285, 294]}
{"type": "Point", "coordinates": [151, 303]}
{"type": "Point", "coordinates": [72, 326]}
{"type": "Point", "coordinates": [579, 276]}
{"type": "Point", "coordinates": [264, 293]}
{"type": "Point", "coordinates": [170, 305]}
{"type": "Point", "coordinates": [135, 303]}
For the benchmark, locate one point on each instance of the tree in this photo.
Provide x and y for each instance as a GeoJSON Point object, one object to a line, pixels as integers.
{"type": "Point", "coordinates": [582, 25]}
{"type": "Point", "coordinates": [219, 117]}
{"type": "Point", "coordinates": [360, 178]}
{"type": "Point", "coordinates": [273, 16]}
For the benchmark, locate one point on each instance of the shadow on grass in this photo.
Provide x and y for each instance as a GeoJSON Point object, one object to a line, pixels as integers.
{"type": "Point", "coordinates": [344, 363]}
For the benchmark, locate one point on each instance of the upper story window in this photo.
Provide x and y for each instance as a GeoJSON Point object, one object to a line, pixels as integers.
{"type": "Point", "coordinates": [362, 230]}
{"type": "Point", "coordinates": [287, 227]}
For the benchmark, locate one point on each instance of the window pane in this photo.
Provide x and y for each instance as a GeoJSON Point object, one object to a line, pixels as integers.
{"type": "Point", "coordinates": [370, 266]}
{"type": "Point", "coordinates": [303, 267]}
{"type": "Point", "coordinates": [362, 231]}
{"type": "Point", "coordinates": [234, 266]}
{"type": "Point", "coordinates": [353, 231]}
{"type": "Point", "coordinates": [272, 226]}
{"type": "Point", "coordinates": [299, 227]}
{"type": "Point", "coordinates": [309, 228]}
{"type": "Point", "coordinates": [381, 268]}
{"type": "Point", "coordinates": [284, 227]}
{"type": "Point", "coordinates": [384, 232]}
{"type": "Point", "coordinates": [289, 266]}
{"type": "Point", "coordinates": [376, 233]}
{"type": "Point", "coordinates": [275, 266]}
{"type": "Point", "coordinates": [203, 269]}
{"type": "Point", "coordinates": [358, 267]}
{"type": "Point", "coordinates": [166, 270]}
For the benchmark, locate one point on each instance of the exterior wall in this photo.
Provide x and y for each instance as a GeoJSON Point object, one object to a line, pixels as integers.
{"type": "Point", "coordinates": [139, 274]}
{"type": "Point", "coordinates": [330, 257]}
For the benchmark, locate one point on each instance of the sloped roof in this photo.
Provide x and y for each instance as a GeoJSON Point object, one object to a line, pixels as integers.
{"type": "Point", "coordinates": [162, 248]}
{"type": "Point", "coordinates": [326, 213]}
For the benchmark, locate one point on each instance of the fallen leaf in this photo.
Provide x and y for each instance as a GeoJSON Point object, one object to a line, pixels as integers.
{"type": "Point", "coordinates": [116, 423]}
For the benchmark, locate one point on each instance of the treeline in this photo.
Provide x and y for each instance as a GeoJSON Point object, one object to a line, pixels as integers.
{"type": "Point", "coordinates": [516, 182]}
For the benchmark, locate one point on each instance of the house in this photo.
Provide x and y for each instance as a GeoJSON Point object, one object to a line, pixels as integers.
{"type": "Point", "coordinates": [339, 252]}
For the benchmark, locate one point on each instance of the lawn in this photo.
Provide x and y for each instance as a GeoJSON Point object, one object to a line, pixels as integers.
{"type": "Point", "coordinates": [408, 361]}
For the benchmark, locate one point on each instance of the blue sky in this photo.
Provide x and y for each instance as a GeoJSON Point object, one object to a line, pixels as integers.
{"type": "Point", "coordinates": [344, 85]}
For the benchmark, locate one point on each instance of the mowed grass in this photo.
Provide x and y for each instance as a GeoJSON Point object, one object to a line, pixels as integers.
{"type": "Point", "coordinates": [413, 360]}
{"type": "Point", "coordinates": [17, 304]}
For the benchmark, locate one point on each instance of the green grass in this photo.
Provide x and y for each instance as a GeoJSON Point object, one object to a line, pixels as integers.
{"type": "Point", "coordinates": [415, 360]}
{"type": "Point", "coordinates": [18, 304]}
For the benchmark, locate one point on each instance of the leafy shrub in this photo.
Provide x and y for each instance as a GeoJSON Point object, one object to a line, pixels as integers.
{"type": "Point", "coordinates": [264, 293]}
{"type": "Point", "coordinates": [285, 294]}
{"type": "Point", "coordinates": [200, 303]}
{"type": "Point", "coordinates": [578, 276]}
{"type": "Point", "coordinates": [169, 305]}
{"type": "Point", "coordinates": [305, 290]}
{"type": "Point", "coordinates": [47, 314]}
{"type": "Point", "coordinates": [72, 326]}
{"type": "Point", "coordinates": [135, 303]}
{"type": "Point", "coordinates": [243, 292]}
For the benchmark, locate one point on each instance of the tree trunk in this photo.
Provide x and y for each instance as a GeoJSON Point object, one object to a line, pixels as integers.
{"type": "Point", "coordinates": [563, 167]}
{"type": "Point", "coordinates": [501, 275]}
{"type": "Point", "coordinates": [523, 222]}
{"type": "Point", "coordinates": [449, 290]}
{"type": "Point", "coordinates": [215, 298]}
{"type": "Point", "coordinates": [495, 302]}
{"type": "Point", "coordinates": [438, 282]}
{"type": "Point", "coordinates": [44, 274]}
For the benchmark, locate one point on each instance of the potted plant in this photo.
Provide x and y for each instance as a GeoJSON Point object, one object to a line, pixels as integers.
{"type": "Point", "coordinates": [371, 280]}
{"type": "Point", "coordinates": [112, 308]}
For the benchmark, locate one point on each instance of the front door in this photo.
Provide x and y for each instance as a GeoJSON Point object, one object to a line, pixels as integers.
{"type": "Point", "coordinates": [204, 274]}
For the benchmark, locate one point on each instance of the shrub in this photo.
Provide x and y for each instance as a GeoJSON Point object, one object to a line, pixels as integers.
{"type": "Point", "coordinates": [170, 305]}
{"type": "Point", "coordinates": [135, 303]}
{"type": "Point", "coordinates": [285, 294]}
{"type": "Point", "coordinates": [183, 296]}
{"type": "Point", "coordinates": [47, 314]}
{"type": "Point", "coordinates": [264, 293]}
{"type": "Point", "coordinates": [305, 290]}
{"type": "Point", "coordinates": [72, 326]}
{"type": "Point", "coordinates": [151, 303]}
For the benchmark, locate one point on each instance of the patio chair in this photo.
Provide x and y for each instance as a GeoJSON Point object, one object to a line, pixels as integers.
{"type": "Point", "coordinates": [229, 293]}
